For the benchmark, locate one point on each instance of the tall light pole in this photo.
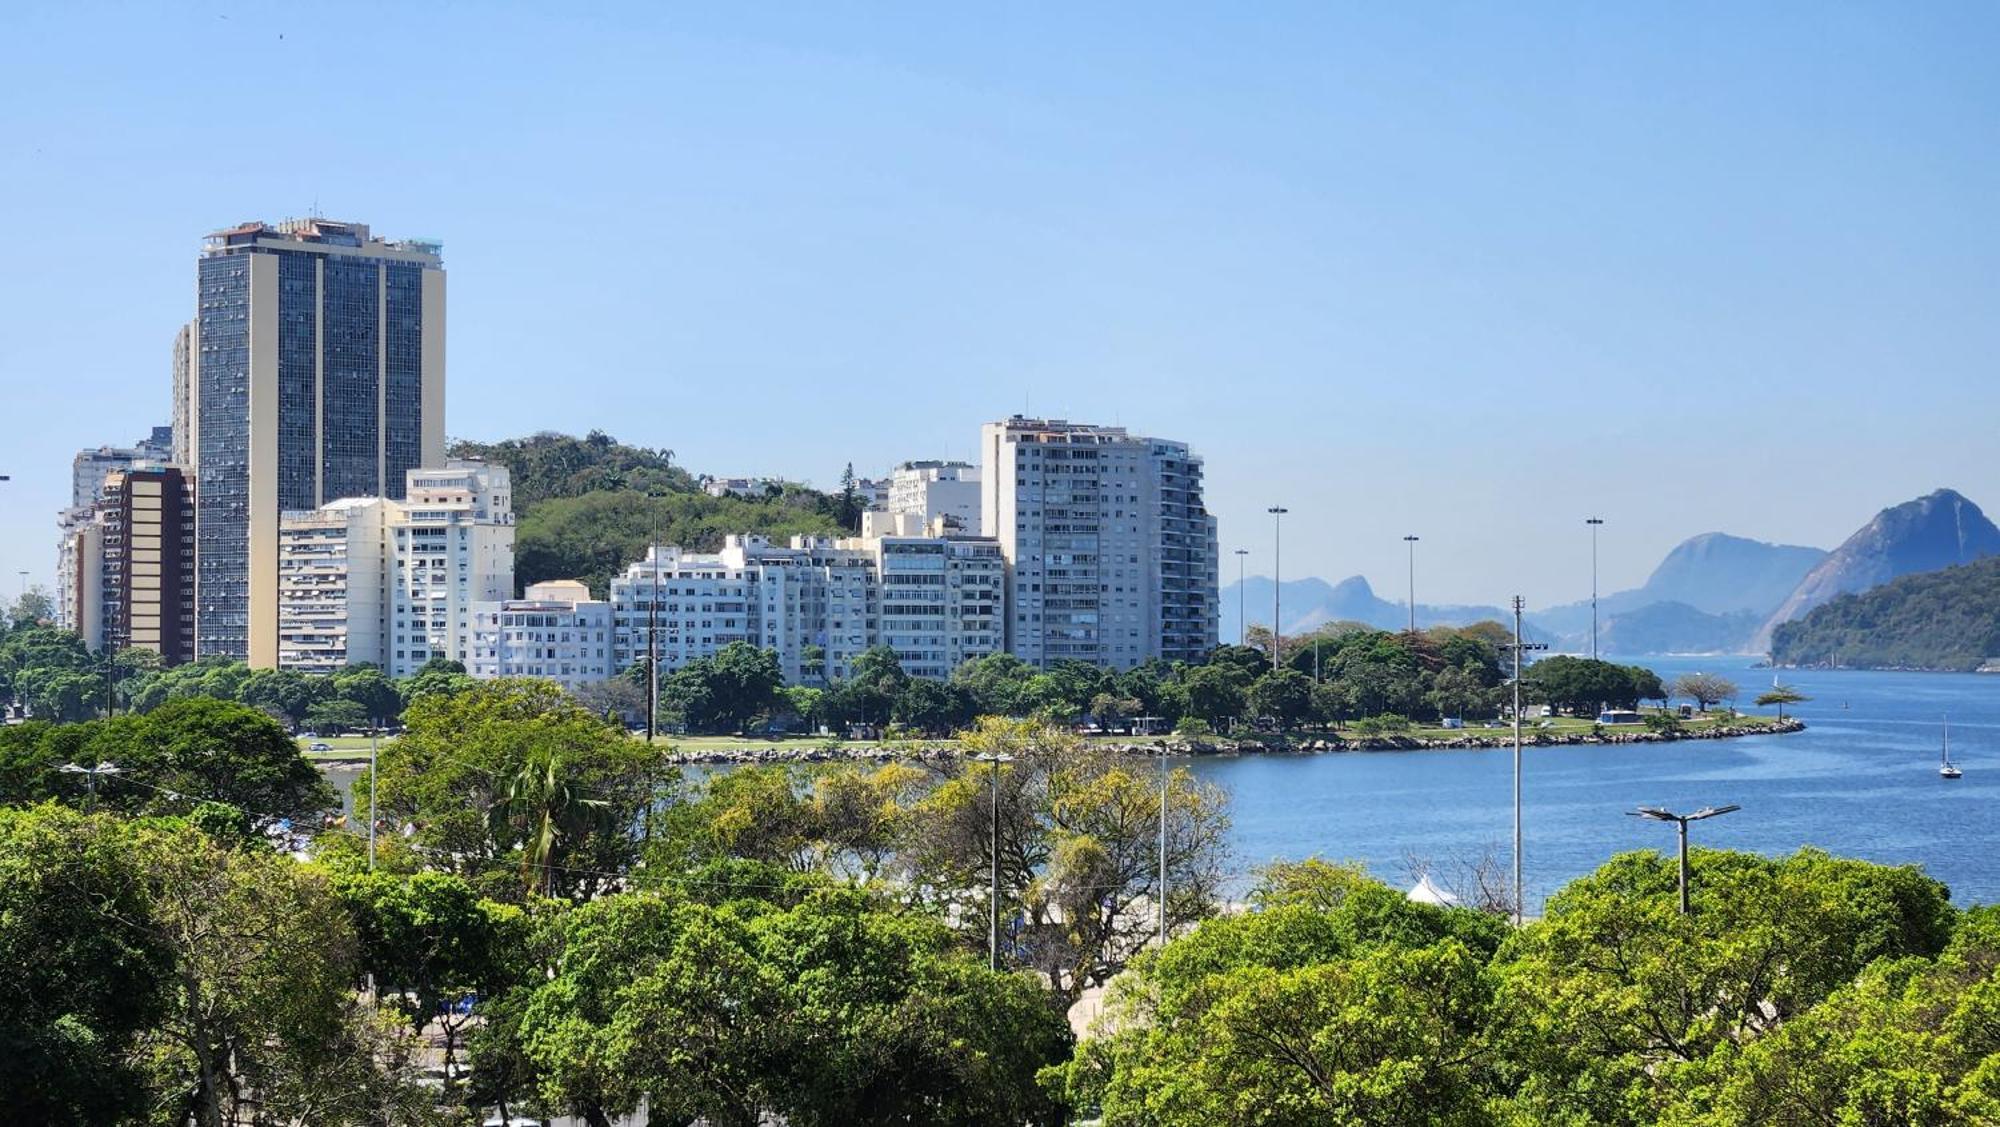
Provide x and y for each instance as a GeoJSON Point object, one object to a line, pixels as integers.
{"type": "Point", "coordinates": [1412, 542]}
{"type": "Point", "coordinates": [995, 759]}
{"type": "Point", "coordinates": [1277, 581]}
{"type": "Point", "coordinates": [1520, 900]}
{"type": "Point", "coordinates": [1242, 619]}
{"type": "Point", "coordinates": [1681, 821]}
{"type": "Point", "coordinates": [1595, 523]}
{"type": "Point", "coordinates": [1160, 909]}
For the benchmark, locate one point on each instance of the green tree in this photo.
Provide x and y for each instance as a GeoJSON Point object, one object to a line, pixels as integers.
{"type": "Point", "coordinates": [336, 716]}
{"type": "Point", "coordinates": [502, 779]}
{"type": "Point", "coordinates": [370, 688]}
{"type": "Point", "coordinates": [1705, 688]}
{"type": "Point", "coordinates": [1780, 695]}
{"type": "Point", "coordinates": [1216, 693]}
{"type": "Point", "coordinates": [438, 676]}
{"type": "Point", "coordinates": [1606, 1002]}
{"type": "Point", "coordinates": [932, 708]}
{"type": "Point", "coordinates": [1079, 850]}
{"type": "Point", "coordinates": [83, 985]}
{"type": "Point", "coordinates": [1284, 696]}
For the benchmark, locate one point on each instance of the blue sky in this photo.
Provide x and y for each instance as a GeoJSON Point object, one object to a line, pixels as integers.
{"type": "Point", "coordinates": [1469, 271]}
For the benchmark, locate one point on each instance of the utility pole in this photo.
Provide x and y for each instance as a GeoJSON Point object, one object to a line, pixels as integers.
{"type": "Point", "coordinates": [1412, 542]}
{"type": "Point", "coordinates": [1681, 821]}
{"type": "Point", "coordinates": [1242, 616]}
{"type": "Point", "coordinates": [1595, 523]}
{"type": "Point", "coordinates": [653, 648]}
{"type": "Point", "coordinates": [1277, 581]}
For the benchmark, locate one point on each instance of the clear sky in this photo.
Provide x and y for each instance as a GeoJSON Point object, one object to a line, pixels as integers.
{"type": "Point", "coordinates": [1473, 271]}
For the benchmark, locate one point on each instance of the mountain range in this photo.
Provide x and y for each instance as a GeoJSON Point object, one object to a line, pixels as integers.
{"type": "Point", "coordinates": [1713, 593]}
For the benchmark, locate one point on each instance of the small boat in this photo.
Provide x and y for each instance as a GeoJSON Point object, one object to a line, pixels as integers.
{"type": "Point", "coordinates": [1945, 768]}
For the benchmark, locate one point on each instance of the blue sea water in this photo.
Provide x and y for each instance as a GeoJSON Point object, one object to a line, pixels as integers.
{"type": "Point", "coordinates": [1860, 781]}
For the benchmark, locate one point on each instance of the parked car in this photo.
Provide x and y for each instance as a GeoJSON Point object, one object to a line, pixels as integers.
{"type": "Point", "coordinates": [319, 745]}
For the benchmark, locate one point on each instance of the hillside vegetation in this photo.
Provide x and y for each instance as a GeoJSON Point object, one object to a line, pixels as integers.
{"type": "Point", "coordinates": [1948, 620]}
{"type": "Point", "coordinates": [588, 506]}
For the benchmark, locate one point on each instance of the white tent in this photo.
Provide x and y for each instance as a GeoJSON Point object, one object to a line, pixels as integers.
{"type": "Point", "coordinates": [1427, 892]}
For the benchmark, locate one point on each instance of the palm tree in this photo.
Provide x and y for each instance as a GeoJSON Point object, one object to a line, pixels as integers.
{"type": "Point", "coordinates": [548, 810]}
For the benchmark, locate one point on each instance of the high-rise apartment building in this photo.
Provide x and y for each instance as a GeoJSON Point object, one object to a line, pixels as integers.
{"type": "Point", "coordinates": [393, 583]}
{"type": "Point", "coordinates": [147, 573]}
{"type": "Point", "coordinates": [88, 472]}
{"type": "Point", "coordinates": [333, 585]}
{"type": "Point", "coordinates": [930, 490]}
{"type": "Point", "coordinates": [1111, 554]}
{"type": "Point", "coordinates": [315, 372]}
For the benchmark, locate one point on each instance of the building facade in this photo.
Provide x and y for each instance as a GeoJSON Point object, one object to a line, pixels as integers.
{"type": "Point", "coordinates": [333, 584]}
{"type": "Point", "coordinates": [555, 631]}
{"type": "Point", "coordinates": [939, 600]}
{"type": "Point", "coordinates": [315, 373]}
{"type": "Point", "coordinates": [89, 470]}
{"type": "Point", "coordinates": [932, 490]}
{"type": "Point", "coordinates": [452, 545]}
{"type": "Point", "coordinates": [1110, 551]}
{"type": "Point", "coordinates": [393, 583]}
{"type": "Point", "coordinates": [148, 569]}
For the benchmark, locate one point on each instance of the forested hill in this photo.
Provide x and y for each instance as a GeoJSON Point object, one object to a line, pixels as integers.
{"type": "Point", "coordinates": [1948, 619]}
{"type": "Point", "coordinates": [588, 506]}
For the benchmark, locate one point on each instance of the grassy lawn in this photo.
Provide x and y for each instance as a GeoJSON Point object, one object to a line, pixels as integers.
{"type": "Point", "coordinates": [344, 747]}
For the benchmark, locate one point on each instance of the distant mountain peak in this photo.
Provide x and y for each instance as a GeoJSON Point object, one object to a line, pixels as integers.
{"type": "Point", "coordinates": [1938, 530]}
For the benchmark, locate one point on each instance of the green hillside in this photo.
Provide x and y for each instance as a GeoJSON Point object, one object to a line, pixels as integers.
{"type": "Point", "coordinates": [588, 506]}
{"type": "Point", "coordinates": [1948, 619]}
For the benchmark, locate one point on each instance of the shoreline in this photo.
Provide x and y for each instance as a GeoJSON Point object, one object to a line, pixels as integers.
{"type": "Point", "coordinates": [1326, 744]}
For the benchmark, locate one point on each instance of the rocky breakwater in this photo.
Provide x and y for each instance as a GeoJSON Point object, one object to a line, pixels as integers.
{"type": "Point", "coordinates": [872, 752]}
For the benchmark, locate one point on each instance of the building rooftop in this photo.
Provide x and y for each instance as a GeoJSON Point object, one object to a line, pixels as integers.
{"type": "Point", "coordinates": [314, 230]}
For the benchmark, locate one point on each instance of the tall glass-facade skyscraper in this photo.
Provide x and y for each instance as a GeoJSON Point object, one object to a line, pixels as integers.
{"type": "Point", "coordinates": [317, 373]}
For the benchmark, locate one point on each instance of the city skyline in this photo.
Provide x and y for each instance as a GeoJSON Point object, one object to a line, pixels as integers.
{"type": "Point", "coordinates": [1393, 302]}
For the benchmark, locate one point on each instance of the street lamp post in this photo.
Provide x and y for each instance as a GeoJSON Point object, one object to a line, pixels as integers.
{"type": "Point", "coordinates": [90, 775]}
{"type": "Point", "coordinates": [1520, 901]}
{"type": "Point", "coordinates": [1242, 618]}
{"type": "Point", "coordinates": [1595, 523]}
{"type": "Point", "coordinates": [1680, 821]}
{"type": "Point", "coordinates": [1412, 542]}
{"type": "Point", "coordinates": [1277, 581]}
{"type": "Point", "coordinates": [994, 759]}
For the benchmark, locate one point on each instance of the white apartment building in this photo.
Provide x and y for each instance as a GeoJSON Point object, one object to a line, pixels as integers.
{"type": "Point", "coordinates": [556, 631]}
{"type": "Point", "coordinates": [936, 600]}
{"type": "Point", "coordinates": [930, 490]}
{"type": "Point", "coordinates": [393, 583]}
{"type": "Point", "coordinates": [786, 599]}
{"type": "Point", "coordinates": [940, 600]}
{"type": "Point", "coordinates": [333, 585]}
{"type": "Point", "coordinates": [452, 547]}
{"type": "Point", "coordinates": [1111, 555]}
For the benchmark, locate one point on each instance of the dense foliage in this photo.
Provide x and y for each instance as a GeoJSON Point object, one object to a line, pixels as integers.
{"type": "Point", "coordinates": [810, 945]}
{"type": "Point", "coordinates": [587, 507]}
{"type": "Point", "coordinates": [1947, 620]}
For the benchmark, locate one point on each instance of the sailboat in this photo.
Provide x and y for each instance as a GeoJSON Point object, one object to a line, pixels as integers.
{"type": "Point", "coordinates": [1945, 768]}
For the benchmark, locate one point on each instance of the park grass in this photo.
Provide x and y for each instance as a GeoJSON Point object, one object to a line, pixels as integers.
{"type": "Point", "coordinates": [344, 747]}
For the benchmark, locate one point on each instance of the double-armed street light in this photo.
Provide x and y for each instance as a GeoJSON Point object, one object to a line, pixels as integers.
{"type": "Point", "coordinates": [90, 775]}
{"type": "Point", "coordinates": [1680, 821]}
{"type": "Point", "coordinates": [1518, 647]}
{"type": "Point", "coordinates": [995, 759]}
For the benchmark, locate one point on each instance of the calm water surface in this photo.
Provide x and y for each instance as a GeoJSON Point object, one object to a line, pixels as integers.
{"type": "Point", "coordinates": [1860, 781]}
